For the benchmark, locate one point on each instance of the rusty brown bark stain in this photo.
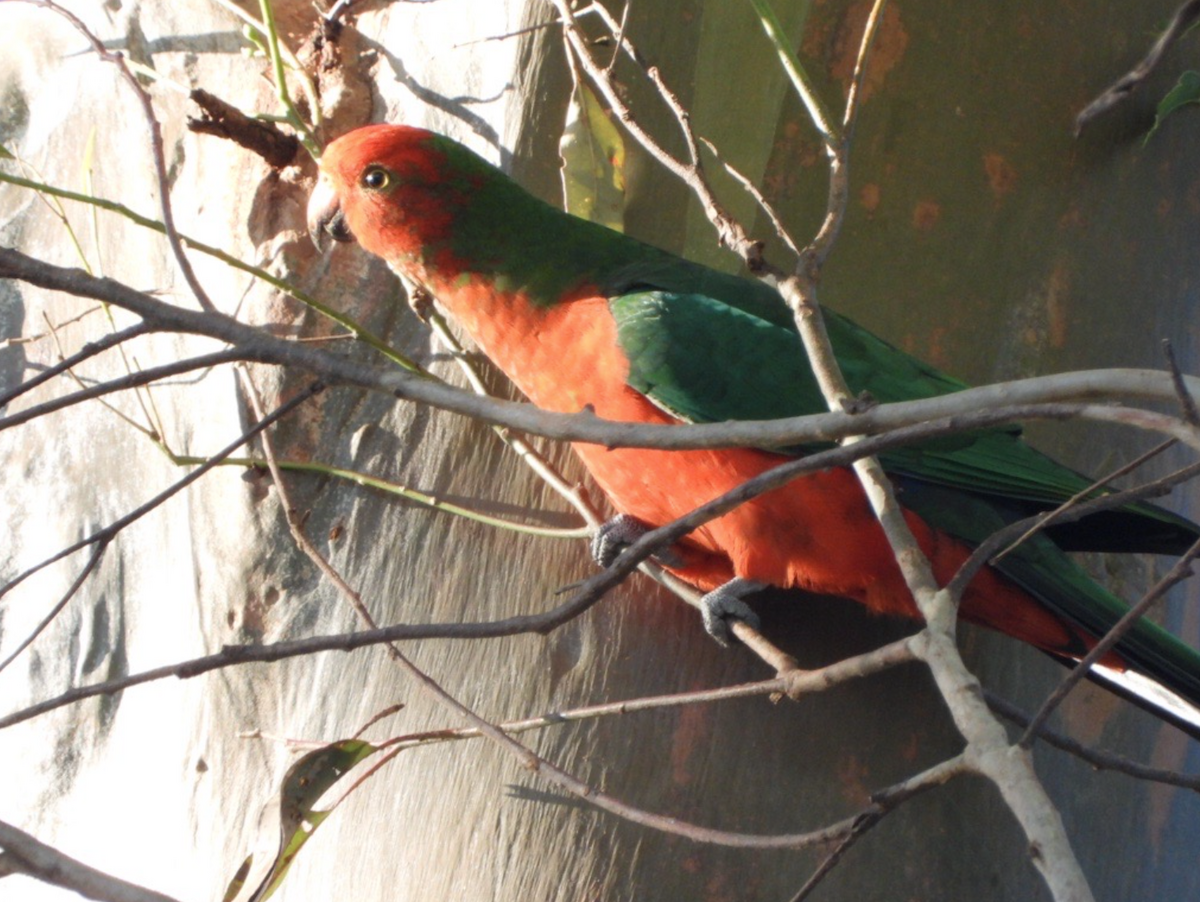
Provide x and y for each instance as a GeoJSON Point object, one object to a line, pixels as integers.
{"type": "Point", "coordinates": [1001, 175]}
{"type": "Point", "coordinates": [926, 215]}
{"type": "Point", "coordinates": [891, 43]}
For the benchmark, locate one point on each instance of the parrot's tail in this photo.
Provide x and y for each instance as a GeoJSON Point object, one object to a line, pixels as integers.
{"type": "Point", "coordinates": [1150, 695]}
{"type": "Point", "coordinates": [1149, 665]}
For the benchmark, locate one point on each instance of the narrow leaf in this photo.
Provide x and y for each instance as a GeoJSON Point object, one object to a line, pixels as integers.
{"type": "Point", "coordinates": [303, 785]}
{"type": "Point", "coordinates": [593, 157]}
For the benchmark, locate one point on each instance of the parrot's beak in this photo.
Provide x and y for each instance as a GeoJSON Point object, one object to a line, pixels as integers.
{"type": "Point", "coordinates": [325, 217]}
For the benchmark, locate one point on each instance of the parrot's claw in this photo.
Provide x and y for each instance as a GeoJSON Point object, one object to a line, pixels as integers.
{"type": "Point", "coordinates": [723, 605]}
{"type": "Point", "coordinates": [615, 536]}
{"type": "Point", "coordinates": [619, 533]}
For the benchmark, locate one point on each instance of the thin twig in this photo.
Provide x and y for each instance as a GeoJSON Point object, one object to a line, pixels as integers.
{"type": "Point", "coordinates": [729, 231]}
{"type": "Point", "coordinates": [89, 350]}
{"type": "Point", "coordinates": [1186, 400]}
{"type": "Point", "coordinates": [1185, 15]}
{"type": "Point", "coordinates": [156, 147]}
{"type": "Point", "coordinates": [839, 154]}
{"type": "Point", "coordinates": [1058, 514]}
{"type": "Point", "coordinates": [862, 826]}
{"type": "Point", "coordinates": [294, 522]}
{"type": "Point", "coordinates": [16, 340]}
{"type": "Point", "coordinates": [112, 408]}
{"type": "Point", "coordinates": [121, 383]}
{"type": "Point", "coordinates": [882, 802]}
{"type": "Point", "coordinates": [1098, 759]}
{"type": "Point", "coordinates": [795, 684]}
{"type": "Point", "coordinates": [109, 532]}
{"type": "Point", "coordinates": [759, 198]}
{"type": "Point", "coordinates": [91, 565]}
{"type": "Point", "coordinates": [377, 717]}
{"type": "Point", "coordinates": [567, 781]}
{"type": "Point", "coordinates": [618, 39]}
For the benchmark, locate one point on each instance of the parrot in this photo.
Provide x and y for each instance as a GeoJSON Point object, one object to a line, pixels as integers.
{"type": "Point", "coordinates": [580, 316]}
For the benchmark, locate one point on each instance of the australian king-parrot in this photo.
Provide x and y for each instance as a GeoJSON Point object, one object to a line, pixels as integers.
{"type": "Point", "coordinates": [577, 314]}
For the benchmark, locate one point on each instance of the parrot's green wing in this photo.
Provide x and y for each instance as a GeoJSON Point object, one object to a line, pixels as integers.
{"type": "Point", "coordinates": [708, 347]}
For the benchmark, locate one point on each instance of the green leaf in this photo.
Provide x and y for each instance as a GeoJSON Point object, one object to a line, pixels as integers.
{"type": "Point", "coordinates": [1186, 90]}
{"type": "Point", "coordinates": [303, 785]}
{"type": "Point", "coordinates": [5, 154]}
{"type": "Point", "coordinates": [593, 157]}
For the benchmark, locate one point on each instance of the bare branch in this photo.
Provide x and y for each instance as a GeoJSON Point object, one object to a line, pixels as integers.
{"type": "Point", "coordinates": [1185, 15]}
{"type": "Point", "coordinates": [47, 864]}
{"type": "Point", "coordinates": [795, 684]}
{"type": "Point", "coordinates": [1017, 398]}
{"type": "Point", "coordinates": [988, 751]}
{"type": "Point", "coordinates": [525, 755]}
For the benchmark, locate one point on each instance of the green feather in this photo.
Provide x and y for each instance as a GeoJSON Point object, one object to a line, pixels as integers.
{"type": "Point", "coordinates": [708, 358]}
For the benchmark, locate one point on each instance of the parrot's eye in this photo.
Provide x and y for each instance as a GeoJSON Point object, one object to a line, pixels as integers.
{"type": "Point", "coordinates": [376, 178]}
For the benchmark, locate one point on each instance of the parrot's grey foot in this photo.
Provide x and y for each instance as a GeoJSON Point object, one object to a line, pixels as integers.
{"type": "Point", "coordinates": [723, 605]}
{"type": "Point", "coordinates": [618, 534]}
